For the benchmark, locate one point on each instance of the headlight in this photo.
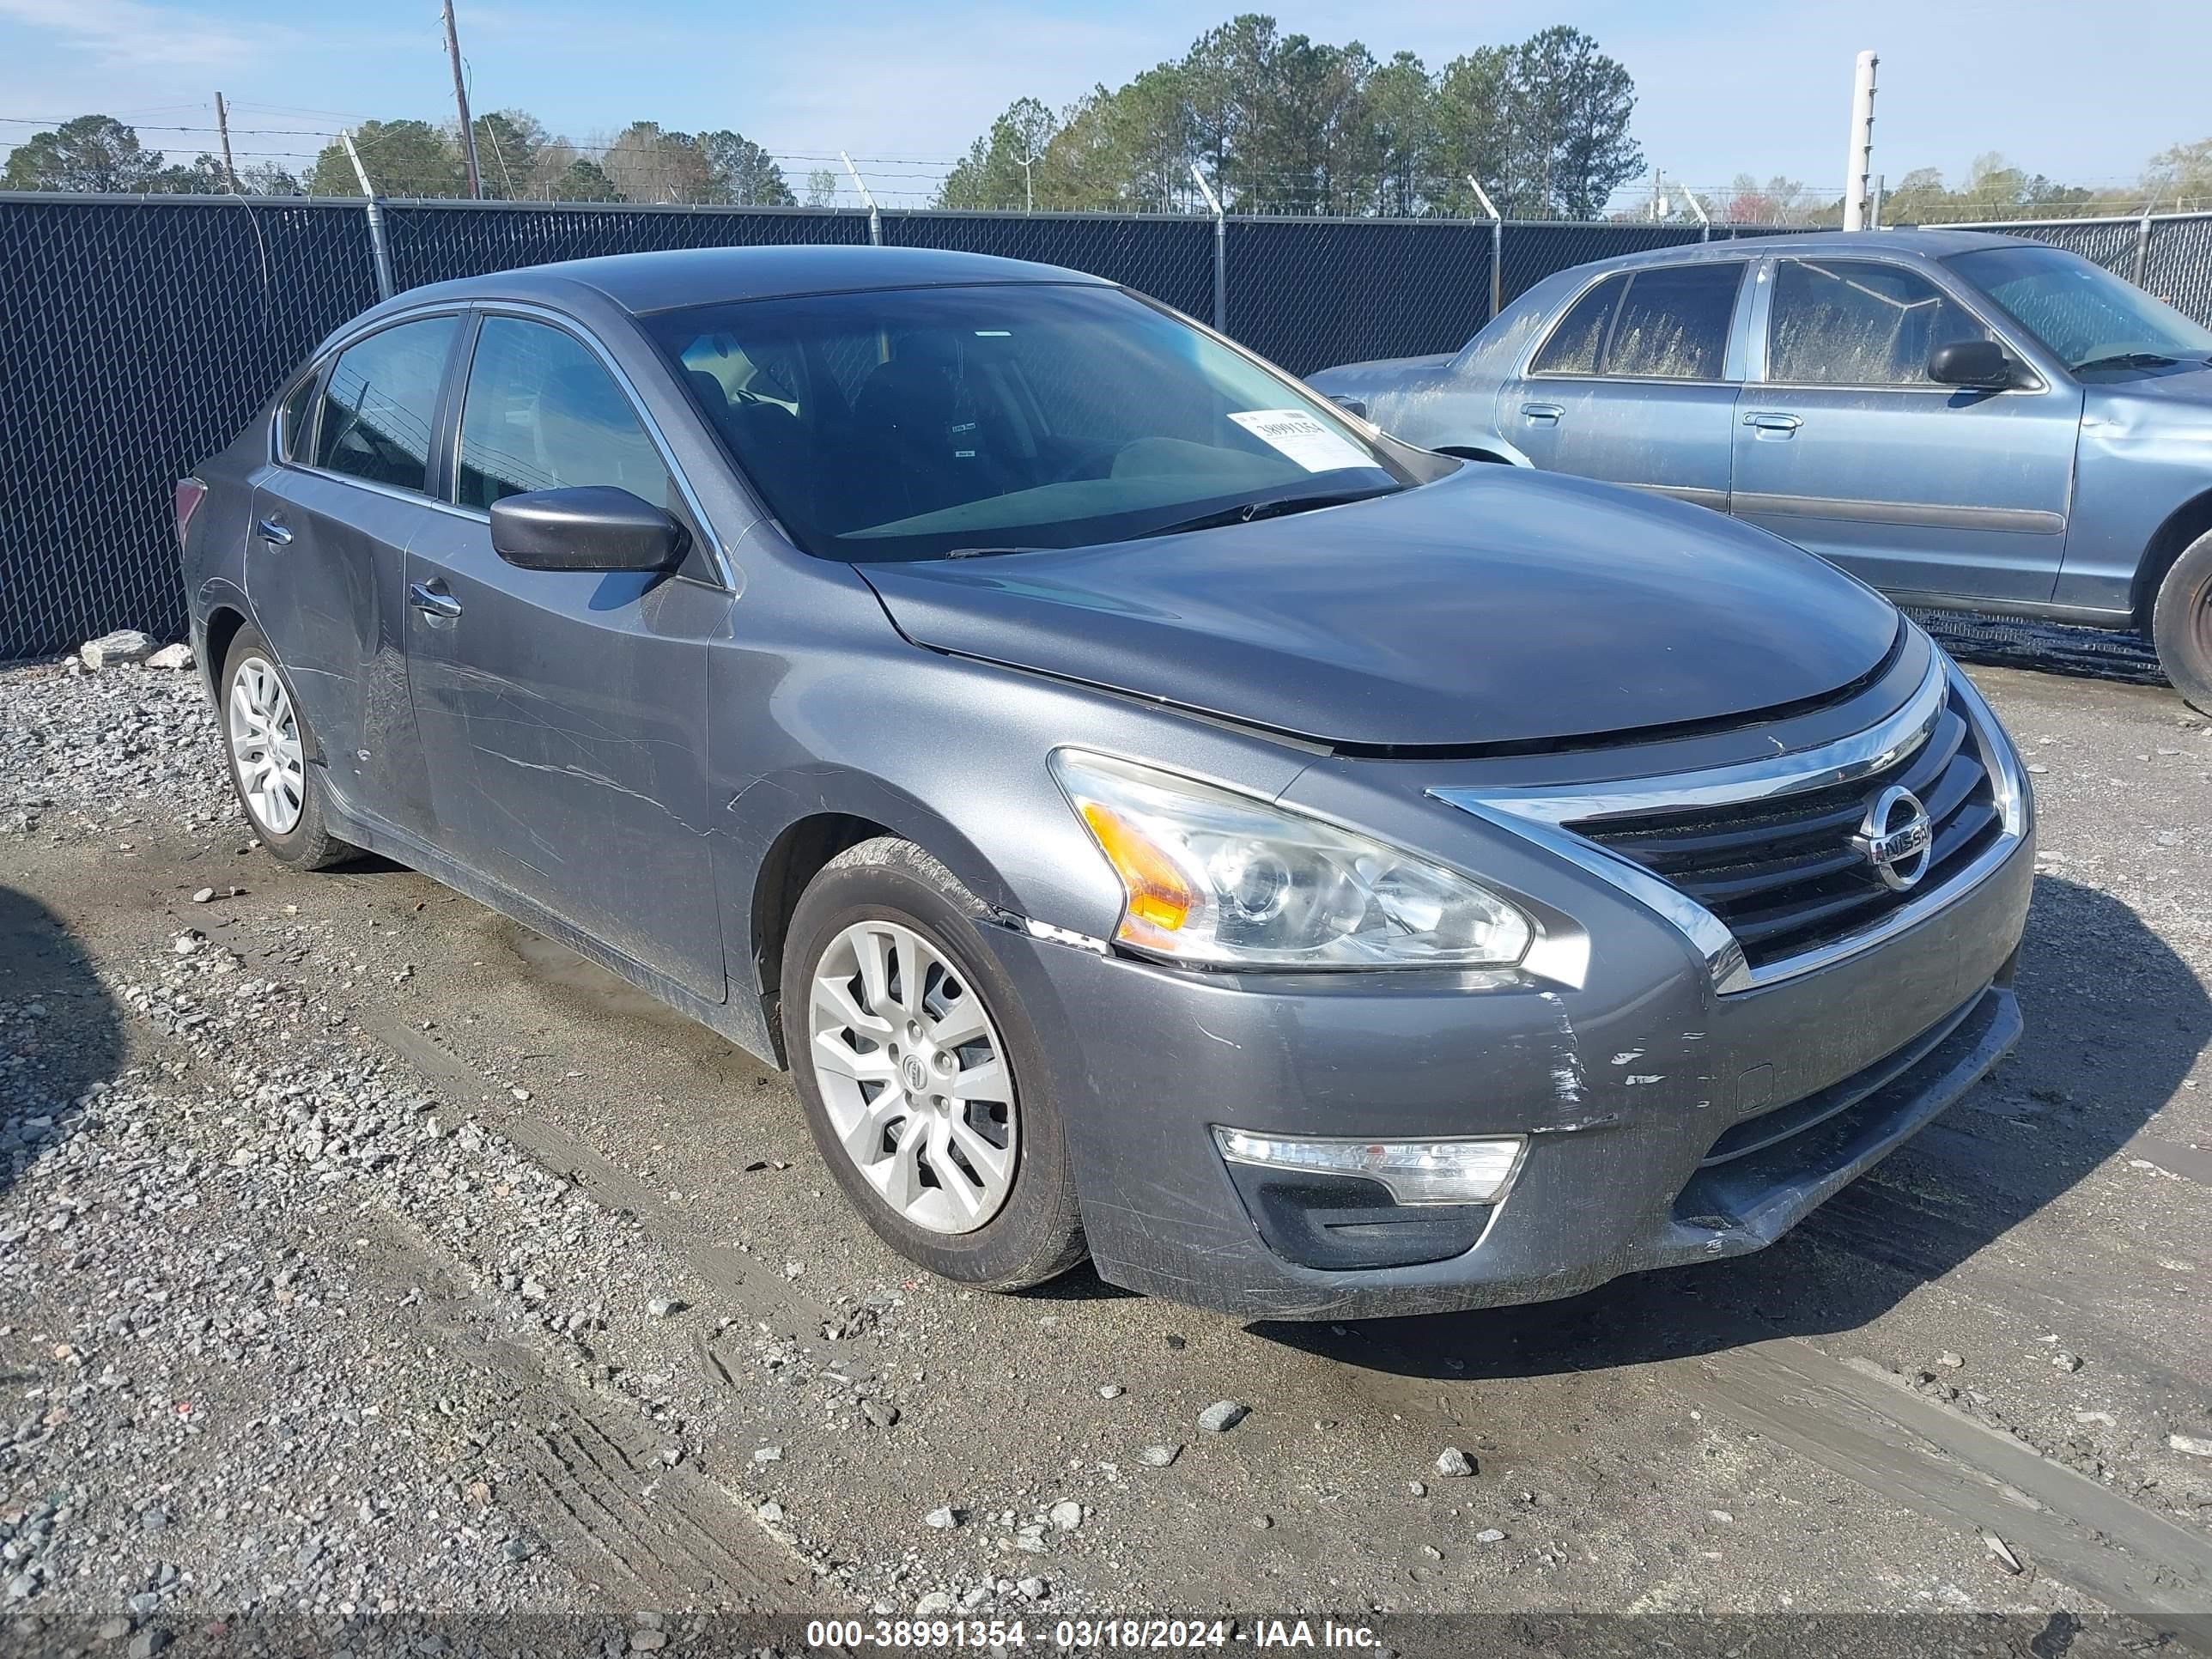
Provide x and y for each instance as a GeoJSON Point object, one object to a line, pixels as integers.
{"type": "Point", "coordinates": [1218, 878]}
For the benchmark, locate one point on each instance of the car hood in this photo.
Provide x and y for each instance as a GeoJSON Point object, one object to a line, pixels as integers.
{"type": "Point", "coordinates": [1495, 606]}
{"type": "Point", "coordinates": [2159, 399]}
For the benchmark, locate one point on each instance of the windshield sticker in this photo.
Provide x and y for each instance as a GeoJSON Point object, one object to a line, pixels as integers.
{"type": "Point", "coordinates": [1303, 438]}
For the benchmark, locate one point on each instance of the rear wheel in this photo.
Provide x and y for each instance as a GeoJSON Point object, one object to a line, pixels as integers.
{"type": "Point", "coordinates": [922, 1080]}
{"type": "Point", "coordinates": [2181, 624]}
{"type": "Point", "coordinates": [267, 742]}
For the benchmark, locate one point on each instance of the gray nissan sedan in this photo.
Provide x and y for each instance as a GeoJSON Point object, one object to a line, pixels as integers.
{"type": "Point", "coordinates": [1155, 816]}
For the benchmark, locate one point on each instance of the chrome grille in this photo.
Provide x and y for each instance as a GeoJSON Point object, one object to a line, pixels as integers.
{"type": "Point", "coordinates": [1783, 874]}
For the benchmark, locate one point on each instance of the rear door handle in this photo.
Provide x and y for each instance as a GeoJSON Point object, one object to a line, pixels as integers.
{"type": "Point", "coordinates": [1546, 414]}
{"type": "Point", "coordinates": [432, 602]}
{"type": "Point", "coordinates": [1772, 420]}
{"type": "Point", "coordinates": [272, 531]}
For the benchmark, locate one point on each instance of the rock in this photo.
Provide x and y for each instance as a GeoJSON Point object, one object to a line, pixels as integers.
{"type": "Point", "coordinates": [647, 1641]}
{"type": "Point", "coordinates": [1109, 1390]}
{"type": "Point", "coordinates": [22, 1587]}
{"type": "Point", "coordinates": [1261, 1523]}
{"type": "Point", "coordinates": [519, 1550]}
{"type": "Point", "coordinates": [881, 1413]}
{"type": "Point", "coordinates": [935, 1605]}
{"type": "Point", "coordinates": [2066, 1362]}
{"type": "Point", "coordinates": [1418, 1488]}
{"type": "Point", "coordinates": [1950, 1361]}
{"type": "Point", "coordinates": [147, 1643]}
{"type": "Point", "coordinates": [661, 1306]}
{"type": "Point", "coordinates": [1066, 1515]}
{"type": "Point", "coordinates": [123, 645]}
{"type": "Point", "coordinates": [2196, 1445]}
{"type": "Point", "coordinates": [768, 1454]}
{"type": "Point", "coordinates": [771, 1512]}
{"type": "Point", "coordinates": [1722, 1515]}
{"type": "Point", "coordinates": [205, 895]}
{"type": "Point", "coordinates": [1222, 1416]}
{"type": "Point", "coordinates": [1032, 1588]}
{"type": "Point", "coordinates": [1453, 1462]}
{"type": "Point", "coordinates": [944, 1518]}
{"type": "Point", "coordinates": [2006, 1559]}
{"type": "Point", "coordinates": [179, 655]}
{"type": "Point", "coordinates": [114, 1629]}
{"type": "Point", "coordinates": [1159, 1458]}
{"type": "Point", "coordinates": [534, 1290]}
{"type": "Point", "coordinates": [1490, 1535]}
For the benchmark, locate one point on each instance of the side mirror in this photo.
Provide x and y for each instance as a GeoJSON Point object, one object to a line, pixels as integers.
{"type": "Point", "coordinates": [589, 528]}
{"type": "Point", "coordinates": [1350, 405]}
{"type": "Point", "coordinates": [1971, 362]}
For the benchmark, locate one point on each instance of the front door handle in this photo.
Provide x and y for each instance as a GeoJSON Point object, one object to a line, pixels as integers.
{"type": "Point", "coordinates": [1772, 420]}
{"type": "Point", "coordinates": [272, 531]}
{"type": "Point", "coordinates": [433, 602]}
{"type": "Point", "coordinates": [1544, 414]}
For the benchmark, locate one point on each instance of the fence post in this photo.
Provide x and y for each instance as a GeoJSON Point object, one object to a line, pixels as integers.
{"type": "Point", "coordinates": [1220, 250]}
{"type": "Point", "coordinates": [875, 218]}
{"type": "Point", "coordinates": [1497, 246]}
{"type": "Point", "coordinates": [2142, 245]}
{"type": "Point", "coordinates": [379, 250]}
{"type": "Point", "coordinates": [1705, 219]}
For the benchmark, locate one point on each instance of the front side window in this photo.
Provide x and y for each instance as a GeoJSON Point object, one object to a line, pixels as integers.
{"type": "Point", "coordinates": [916, 424]}
{"type": "Point", "coordinates": [2085, 315]}
{"type": "Point", "coordinates": [541, 412]}
{"type": "Point", "coordinates": [1855, 322]}
{"type": "Point", "coordinates": [379, 405]}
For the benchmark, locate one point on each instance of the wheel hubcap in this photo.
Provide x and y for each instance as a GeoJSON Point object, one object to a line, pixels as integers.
{"type": "Point", "coordinates": [265, 744]}
{"type": "Point", "coordinates": [914, 1077]}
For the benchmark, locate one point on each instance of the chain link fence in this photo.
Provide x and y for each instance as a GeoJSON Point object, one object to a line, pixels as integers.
{"type": "Point", "coordinates": [138, 335]}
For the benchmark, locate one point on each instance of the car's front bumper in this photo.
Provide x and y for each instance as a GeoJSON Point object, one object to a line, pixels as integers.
{"type": "Point", "coordinates": [1622, 1088]}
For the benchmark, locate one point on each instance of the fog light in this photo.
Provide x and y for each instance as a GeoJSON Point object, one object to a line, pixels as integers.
{"type": "Point", "coordinates": [1412, 1171]}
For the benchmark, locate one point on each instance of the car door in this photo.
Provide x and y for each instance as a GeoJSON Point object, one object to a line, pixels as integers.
{"type": "Point", "coordinates": [563, 712]}
{"type": "Point", "coordinates": [332, 517]}
{"type": "Point", "coordinates": [1632, 383]}
{"type": "Point", "coordinates": [1845, 447]}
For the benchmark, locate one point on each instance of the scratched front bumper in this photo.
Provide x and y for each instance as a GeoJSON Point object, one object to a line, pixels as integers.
{"type": "Point", "coordinates": [1622, 1089]}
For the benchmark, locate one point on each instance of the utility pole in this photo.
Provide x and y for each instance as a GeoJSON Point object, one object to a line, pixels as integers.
{"type": "Point", "coordinates": [461, 103]}
{"type": "Point", "coordinates": [1857, 182]}
{"type": "Point", "coordinates": [223, 126]}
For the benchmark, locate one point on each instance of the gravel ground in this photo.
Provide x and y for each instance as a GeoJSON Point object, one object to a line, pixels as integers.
{"type": "Point", "coordinates": [360, 1252]}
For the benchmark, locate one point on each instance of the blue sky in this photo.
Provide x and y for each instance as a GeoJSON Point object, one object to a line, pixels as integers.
{"type": "Point", "coordinates": [1725, 86]}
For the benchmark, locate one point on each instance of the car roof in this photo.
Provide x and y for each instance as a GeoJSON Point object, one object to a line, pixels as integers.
{"type": "Point", "coordinates": [643, 283]}
{"type": "Point", "coordinates": [1924, 244]}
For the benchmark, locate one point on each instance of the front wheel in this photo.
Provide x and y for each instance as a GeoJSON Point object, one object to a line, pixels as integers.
{"type": "Point", "coordinates": [922, 1080]}
{"type": "Point", "coordinates": [2181, 624]}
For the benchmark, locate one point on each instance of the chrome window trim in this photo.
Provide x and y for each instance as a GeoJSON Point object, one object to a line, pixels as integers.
{"type": "Point", "coordinates": [327, 358]}
{"type": "Point", "coordinates": [1539, 814]}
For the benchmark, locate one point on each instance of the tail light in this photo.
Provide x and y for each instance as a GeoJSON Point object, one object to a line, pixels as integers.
{"type": "Point", "coordinates": [190, 493]}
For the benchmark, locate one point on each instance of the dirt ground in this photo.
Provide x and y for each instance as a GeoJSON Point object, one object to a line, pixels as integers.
{"type": "Point", "coordinates": [404, 1262]}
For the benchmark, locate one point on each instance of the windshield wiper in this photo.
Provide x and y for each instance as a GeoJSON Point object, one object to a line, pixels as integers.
{"type": "Point", "coordinates": [1247, 512]}
{"type": "Point", "coordinates": [985, 552]}
{"type": "Point", "coordinates": [2128, 359]}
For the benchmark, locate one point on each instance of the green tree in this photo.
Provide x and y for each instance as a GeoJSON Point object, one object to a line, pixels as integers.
{"type": "Point", "coordinates": [1567, 108]}
{"type": "Point", "coordinates": [744, 173]}
{"type": "Point", "coordinates": [91, 153]}
{"type": "Point", "coordinates": [1402, 105]}
{"type": "Point", "coordinates": [508, 145]}
{"type": "Point", "coordinates": [1000, 167]}
{"type": "Point", "coordinates": [402, 158]}
{"type": "Point", "coordinates": [1472, 139]}
{"type": "Point", "coordinates": [2179, 180]}
{"type": "Point", "coordinates": [580, 180]}
{"type": "Point", "coordinates": [821, 187]}
{"type": "Point", "coordinates": [649, 164]}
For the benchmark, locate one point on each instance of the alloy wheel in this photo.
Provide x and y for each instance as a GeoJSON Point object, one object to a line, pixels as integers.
{"type": "Point", "coordinates": [914, 1076]}
{"type": "Point", "coordinates": [265, 745]}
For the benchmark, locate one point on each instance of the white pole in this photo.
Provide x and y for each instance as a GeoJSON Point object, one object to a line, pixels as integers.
{"type": "Point", "coordinates": [1857, 173]}
{"type": "Point", "coordinates": [875, 218]}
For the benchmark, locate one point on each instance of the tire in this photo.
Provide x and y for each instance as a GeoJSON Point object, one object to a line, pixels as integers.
{"type": "Point", "coordinates": [305, 842]}
{"type": "Point", "coordinates": [999, 1223]}
{"type": "Point", "coordinates": [2181, 624]}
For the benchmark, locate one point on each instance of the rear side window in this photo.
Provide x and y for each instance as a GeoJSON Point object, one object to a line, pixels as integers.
{"type": "Point", "coordinates": [380, 401]}
{"type": "Point", "coordinates": [1856, 322]}
{"type": "Point", "coordinates": [541, 412]}
{"type": "Point", "coordinates": [1575, 344]}
{"type": "Point", "coordinates": [295, 422]}
{"type": "Point", "coordinates": [1673, 326]}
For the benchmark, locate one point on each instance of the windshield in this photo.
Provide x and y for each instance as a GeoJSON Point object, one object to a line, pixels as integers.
{"type": "Point", "coordinates": [926, 422]}
{"type": "Point", "coordinates": [2081, 312]}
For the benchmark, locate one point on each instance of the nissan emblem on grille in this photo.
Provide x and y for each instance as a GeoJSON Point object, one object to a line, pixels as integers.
{"type": "Point", "coordinates": [1895, 835]}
